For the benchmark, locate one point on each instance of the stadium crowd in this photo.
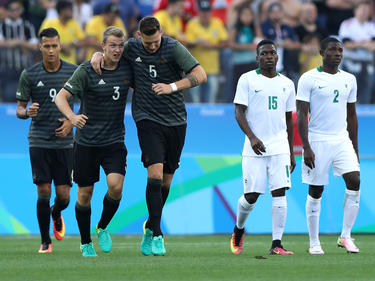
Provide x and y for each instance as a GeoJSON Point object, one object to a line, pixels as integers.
{"type": "Point", "coordinates": [221, 34]}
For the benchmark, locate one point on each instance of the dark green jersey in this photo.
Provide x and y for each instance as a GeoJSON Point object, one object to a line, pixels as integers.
{"type": "Point", "coordinates": [103, 100]}
{"type": "Point", "coordinates": [167, 65]}
{"type": "Point", "coordinates": [39, 85]}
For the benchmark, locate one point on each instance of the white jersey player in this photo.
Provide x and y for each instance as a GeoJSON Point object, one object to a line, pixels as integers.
{"type": "Point", "coordinates": [328, 95]}
{"type": "Point", "coordinates": [264, 103]}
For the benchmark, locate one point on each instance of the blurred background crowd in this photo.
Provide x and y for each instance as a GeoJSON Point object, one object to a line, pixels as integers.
{"type": "Point", "coordinates": [221, 34]}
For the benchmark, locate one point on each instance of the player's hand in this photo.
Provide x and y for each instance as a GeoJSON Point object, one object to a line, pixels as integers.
{"type": "Point", "coordinates": [292, 163]}
{"type": "Point", "coordinates": [64, 129]}
{"type": "Point", "coordinates": [32, 111]}
{"type": "Point", "coordinates": [97, 62]}
{"type": "Point", "coordinates": [309, 157]}
{"type": "Point", "coordinates": [162, 89]}
{"type": "Point", "coordinates": [257, 146]}
{"type": "Point", "coordinates": [79, 120]}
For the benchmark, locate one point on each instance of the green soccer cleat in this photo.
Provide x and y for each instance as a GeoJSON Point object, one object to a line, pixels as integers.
{"type": "Point", "coordinates": [105, 241]}
{"type": "Point", "coordinates": [158, 248]}
{"type": "Point", "coordinates": [146, 244]}
{"type": "Point", "coordinates": [88, 250]}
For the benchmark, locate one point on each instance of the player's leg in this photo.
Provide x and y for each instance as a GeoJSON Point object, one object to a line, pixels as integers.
{"type": "Point", "coordinates": [165, 186]}
{"type": "Point", "coordinates": [313, 207]}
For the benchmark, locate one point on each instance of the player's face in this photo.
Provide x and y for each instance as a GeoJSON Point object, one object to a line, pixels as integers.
{"type": "Point", "coordinates": [50, 48]}
{"type": "Point", "coordinates": [113, 48]}
{"type": "Point", "coordinates": [267, 57]}
{"type": "Point", "coordinates": [332, 55]}
{"type": "Point", "coordinates": [151, 42]}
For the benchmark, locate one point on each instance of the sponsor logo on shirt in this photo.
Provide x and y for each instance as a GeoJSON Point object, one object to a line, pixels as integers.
{"type": "Point", "coordinates": [101, 82]}
{"type": "Point", "coordinates": [40, 84]}
{"type": "Point", "coordinates": [138, 59]}
{"type": "Point", "coordinates": [69, 85]}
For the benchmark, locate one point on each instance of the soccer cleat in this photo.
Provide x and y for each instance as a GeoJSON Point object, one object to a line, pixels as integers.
{"type": "Point", "coordinates": [316, 250]}
{"type": "Point", "coordinates": [158, 248]}
{"type": "Point", "coordinates": [280, 251]}
{"type": "Point", "coordinates": [105, 241]}
{"type": "Point", "coordinates": [348, 244]}
{"type": "Point", "coordinates": [59, 228]}
{"type": "Point", "coordinates": [88, 250]}
{"type": "Point", "coordinates": [146, 244]}
{"type": "Point", "coordinates": [236, 242]}
{"type": "Point", "coordinates": [45, 248]}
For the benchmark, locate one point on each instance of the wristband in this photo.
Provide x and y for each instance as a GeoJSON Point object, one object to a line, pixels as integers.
{"type": "Point", "coordinates": [174, 87]}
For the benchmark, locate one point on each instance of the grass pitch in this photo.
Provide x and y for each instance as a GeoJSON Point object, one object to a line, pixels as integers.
{"type": "Point", "coordinates": [188, 258]}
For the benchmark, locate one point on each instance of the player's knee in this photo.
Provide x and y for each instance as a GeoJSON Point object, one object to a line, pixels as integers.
{"type": "Point", "coordinates": [44, 189]}
{"type": "Point", "coordinates": [278, 192]}
{"type": "Point", "coordinates": [316, 191]}
{"type": "Point", "coordinates": [252, 197]}
{"type": "Point", "coordinates": [354, 183]}
{"type": "Point", "coordinates": [84, 196]}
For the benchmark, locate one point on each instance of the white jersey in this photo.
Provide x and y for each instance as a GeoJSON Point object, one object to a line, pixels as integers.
{"type": "Point", "coordinates": [267, 101]}
{"type": "Point", "coordinates": [328, 95]}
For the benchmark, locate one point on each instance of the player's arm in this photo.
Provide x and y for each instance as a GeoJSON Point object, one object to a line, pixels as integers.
{"type": "Point", "coordinates": [302, 112]}
{"type": "Point", "coordinates": [290, 130]}
{"type": "Point", "coordinates": [352, 127]}
{"type": "Point", "coordinates": [256, 144]}
{"type": "Point", "coordinates": [23, 96]}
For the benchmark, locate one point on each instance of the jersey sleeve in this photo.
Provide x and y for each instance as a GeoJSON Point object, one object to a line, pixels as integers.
{"type": "Point", "coordinates": [304, 88]}
{"type": "Point", "coordinates": [352, 98]}
{"type": "Point", "coordinates": [78, 82]}
{"type": "Point", "coordinates": [291, 102]}
{"type": "Point", "coordinates": [242, 91]}
{"type": "Point", "coordinates": [23, 90]}
{"type": "Point", "coordinates": [183, 58]}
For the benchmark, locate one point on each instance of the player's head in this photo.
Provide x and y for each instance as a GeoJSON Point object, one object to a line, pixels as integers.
{"type": "Point", "coordinates": [331, 50]}
{"type": "Point", "coordinates": [150, 33]}
{"type": "Point", "coordinates": [267, 55]}
{"type": "Point", "coordinates": [113, 44]}
{"type": "Point", "coordinates": [49, 44]}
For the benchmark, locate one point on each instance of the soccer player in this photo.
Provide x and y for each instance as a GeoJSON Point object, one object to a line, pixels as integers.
{"type": "Point", "coordinates": [328, 95]}
{"type": "Point", "coordinates": [264, 102]}
{"type": "Point", "coordinates": [50, 135]}
{"type": "Point", "coordinates": [99, 139]}
{"type": "Point", "coordinates": [159, 112]}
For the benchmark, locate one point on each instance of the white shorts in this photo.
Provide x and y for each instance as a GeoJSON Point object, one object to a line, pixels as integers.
{"type": "Point", "coordinates": [338, 154]}
{"type": "Point", "coordinates": [256, 170]}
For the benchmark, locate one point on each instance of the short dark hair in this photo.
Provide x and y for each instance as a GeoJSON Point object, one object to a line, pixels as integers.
{"type": "Point", "coordinates": [149, 25]}
{"type": "Point", "coordinates": [324, 43]}
{"type": "Point", "coordinates": [265, 42]}
{"type": "Point", "coordinates": [62, 5]}
{"type": "Point", "coordinates": [10, 2]}
{"type": "Point", "coordinates": [48, 32]}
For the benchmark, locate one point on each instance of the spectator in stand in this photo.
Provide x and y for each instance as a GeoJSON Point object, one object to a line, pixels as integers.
{"type": "Point", "coordinates": [285, 38]}
{"type": "Point", "coordinates": [71, 34]}
{"type": "Point", "coordinates": [35, 11]}
{"type": "Point", "coordinates": [291, 10]}
{"type": "Point", "coordinates": [309, 57]}
{"type": "Point", "coordinates": [3, 11]}
{"type": "Point", "coordinates": [358, 36]}
{"type": "Point", "coordinates": [18, 42]}
{"type": "Point", "coordinates": [190, 9]}
{"type": "Point", "coordinates": [206, 36]}
{"type": "Point", "coordinates": [337, 12]}
{"type": "Point", "coordinates": [98, 24]}
{"type": "Point", "coordinates": [170, 19]}
{"type": "Point", "coordinates": [82, 12]}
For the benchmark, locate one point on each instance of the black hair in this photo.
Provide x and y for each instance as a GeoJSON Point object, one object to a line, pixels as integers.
{"type": "Point", "coordinates": [265, 42]}
{"type": "Point", "coordinates": [239, 24]}
{"type": "Point", "coordinates": [48, 32]}
{"type": "Point", "coordinates": [10, 2]}
{"type": "Point", "coordinates": [149, 25]}
{"type": "Point", "coordinates": [324, 43]}
{"type": "Point", "coordinates": [61, 5]}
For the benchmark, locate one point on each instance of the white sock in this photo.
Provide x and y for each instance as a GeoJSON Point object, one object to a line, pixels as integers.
{"type": "Point", "coordinates": [313, 207]}
{"type": "Point", "coordinates": [351, 206]}
{"type": "Point", "coordinates": [243, 210]}
{"type": "Point", "coordinates": [279, 209]}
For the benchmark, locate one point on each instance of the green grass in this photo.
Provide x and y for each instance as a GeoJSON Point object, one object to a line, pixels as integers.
{"type": "Point", "coordinates": [188, 258]}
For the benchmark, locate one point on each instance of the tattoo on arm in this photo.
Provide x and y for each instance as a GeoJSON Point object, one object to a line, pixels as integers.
{"type": "Point", "coordinates": [193, 80]}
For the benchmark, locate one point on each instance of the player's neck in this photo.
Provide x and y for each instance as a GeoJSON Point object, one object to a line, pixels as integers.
{"type": "Point", "coordinates": [109, 64]}
{"type": "Point", "coordinates": [330, 69]}
{"type": "Point", "coordinates": [268, 73]}
{"type": "Point", "coordinates": [52, 66]}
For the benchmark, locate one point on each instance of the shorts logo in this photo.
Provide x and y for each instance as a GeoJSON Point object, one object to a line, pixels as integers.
{"type": "Point", "coordinates": [245, 181]}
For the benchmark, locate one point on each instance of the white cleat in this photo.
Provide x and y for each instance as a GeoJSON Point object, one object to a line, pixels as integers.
{"type": "Point", "coordinates": [316, 250]}
{"type": "Point", "coordinates": [348, 244]}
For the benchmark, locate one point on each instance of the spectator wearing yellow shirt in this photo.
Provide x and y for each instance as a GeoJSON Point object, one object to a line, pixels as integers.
{"type": "Point", "coordinates": [71, 34]}
{"type": "Point", "coordinates": [309, 57]}
{"type": "Point", "coordinates": [96, 26]}
{"type": "Point", "coordinates": [206, 36]}
{"type": "Point", "coordinates": [171, 19]}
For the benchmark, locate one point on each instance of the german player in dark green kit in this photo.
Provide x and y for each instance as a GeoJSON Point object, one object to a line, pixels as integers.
{"type": "Point", "coordinates": [99, 139]}
{"type": "Point", "coordinates": [158, 108]}
{"type": "Point", "coordinates": [50, 134]}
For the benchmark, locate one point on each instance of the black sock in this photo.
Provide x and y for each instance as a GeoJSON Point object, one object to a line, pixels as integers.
{"type": "Point", "coordinates": [164, 193]}
{"type": "Point", "coordinates": [43, 212]}
{"type": "Point", "coordinates": [83, 216]}
{"type": "Point", "coordinates": [276, 243]}
{"type": "Point", "coordinates": [154, 205]}
{"type": "Point", "coordinates": [110, 207]}
{"type": "Point", "coordinates": [58, 207]}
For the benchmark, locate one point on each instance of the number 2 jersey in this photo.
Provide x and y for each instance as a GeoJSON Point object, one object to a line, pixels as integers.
{"type": "Point", "coordinates": [328, 95]}
{"type": "Point", "coordinates": [103, 101]}
{"type": "Point", "coordinates": [39, 85]}
{"type": "Point", "coordinates": [267, 100]}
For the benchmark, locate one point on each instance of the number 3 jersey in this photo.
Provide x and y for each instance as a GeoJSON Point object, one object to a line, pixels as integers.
{"type": "Point", "coordinates": [39, 85]}
{"type": "Point", "coordinates": [328, 95]}
{"type": "Point", "coordinates": [267, 100]}
{"type": "Point", "coordinates": [103, 101]}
